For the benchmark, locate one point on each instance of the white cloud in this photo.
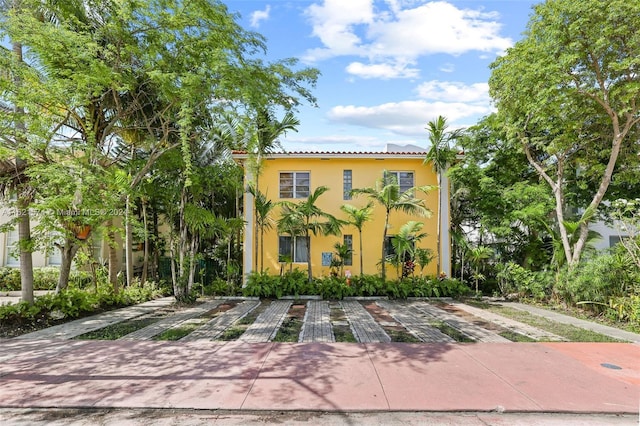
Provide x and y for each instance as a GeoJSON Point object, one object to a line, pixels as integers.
{"type": "Point", "coordinates": [333, 23]}
{"type": "Point", "coordinates": [406, 117]}
{"type": "Point", "coordinates": [260, 15]}
{"type": "Point", "coordinates": [452, 91]}
{"type": "Point", "coordinates": [448, 67]}
{"type": "Point", "coordinates": [382, 71]}
{"type": "Point", "coordinates": [400, 31]}
{"type": "Point", "coordinates": [330, 142]}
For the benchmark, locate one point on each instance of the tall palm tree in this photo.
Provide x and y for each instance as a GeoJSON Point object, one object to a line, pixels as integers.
{"type": "Point", "coordinates": [268, 130]}
{"type": "Point", "coordinates": [440, 155]}
{"type": "Point", "coordinates": [305, 218]}
{"type": "Point", "coordinates": [386, 193]}
{"type": "Point", "coordinates": [357, 218]}
{"type": "Point", "coordinates": [263, 209]}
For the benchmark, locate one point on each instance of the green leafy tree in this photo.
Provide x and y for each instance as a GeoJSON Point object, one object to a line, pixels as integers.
{"type": "Point", "coordinates": [387, 194]}
{"type": "Point", "coordinates": [569, 92]}
{"type": "Point", "coordinates": [358, 217]}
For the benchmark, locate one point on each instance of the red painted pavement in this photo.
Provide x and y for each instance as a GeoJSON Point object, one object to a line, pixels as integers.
{"type": "Point", "coordinates": [517, 377]}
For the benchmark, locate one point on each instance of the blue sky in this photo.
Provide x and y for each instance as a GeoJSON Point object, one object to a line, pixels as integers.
{"type": "Point", "coordinates": [388, 66]}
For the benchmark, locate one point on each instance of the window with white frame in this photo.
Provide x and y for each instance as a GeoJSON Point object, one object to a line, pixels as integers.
{"type": "Point", "coordinates": [403, 178]}
{"type": "Point", "coordinates": [294, 184]}
{"type": "Point", "coordinates": [292, 249]}
{"type": "Point", "coordinates": [11, 256]}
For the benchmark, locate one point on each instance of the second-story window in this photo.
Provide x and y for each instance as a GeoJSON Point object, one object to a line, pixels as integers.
{"type": "Point", "coordinates": [347, 183]}
{"type": "Point", "coordinates": [294, 184]}
{"type": "Point", "coordinates": [404, 179]}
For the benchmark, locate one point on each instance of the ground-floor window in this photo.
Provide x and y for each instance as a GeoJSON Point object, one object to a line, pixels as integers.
{"type": "Point", "coordinates": [292, 249]}
{"type": "Point", "coordinates": [348, 241]}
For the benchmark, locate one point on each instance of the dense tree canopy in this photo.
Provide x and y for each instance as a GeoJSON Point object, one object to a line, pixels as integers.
{"type": "Point", "coordinates": [569, 91]}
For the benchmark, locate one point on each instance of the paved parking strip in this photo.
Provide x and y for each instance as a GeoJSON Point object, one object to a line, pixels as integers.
{"type": "Point", "coordinates": [171, 321]}
{"type": "Point", "coordinates": [414, 321]}
{"type": "Point", "coordinates": [216, 326]}
{"type": "Point", "coordinates": [316, 326]}
{"type": "Point", "coordinates": [365, 328]}
{"type": "Point", "coordinates": [75, 328]}
{"type": "Point", "coordinates": [478, 334]}
{"type": "Point", "coordinates": [510, 324]}
{"type": "Point", "coordinates": [265, 327]}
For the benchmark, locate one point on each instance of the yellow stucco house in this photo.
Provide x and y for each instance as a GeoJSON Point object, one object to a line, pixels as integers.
{"type": "Point", "coordinates": [293, 176]}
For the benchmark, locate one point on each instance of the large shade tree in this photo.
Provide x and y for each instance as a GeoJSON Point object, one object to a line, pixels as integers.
{"type": "Point", "coordinates": [148, 75]}
{"type": "Point", "coordinates": [570, 93]}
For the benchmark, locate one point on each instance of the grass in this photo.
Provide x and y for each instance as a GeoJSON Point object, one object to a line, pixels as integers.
{"type": "Point", "coordinates": [402, 336]}
{"type": "Point", "coordinates": [289, 331]}
{"type": "Point", "coordinates": [232, 333]}
{"type": "Point", "coordinates": [177, 333]}
{"type": "Point", "coordinates": [455, 334]}
{"type": "Point", "coordinates": [516, 337]}
{"type": "Point", "coordinates": [342, 333]}
{"type": "Point", "coordinates": [116, 331]}
{"type": "Point", "coordinates": [570, 332]}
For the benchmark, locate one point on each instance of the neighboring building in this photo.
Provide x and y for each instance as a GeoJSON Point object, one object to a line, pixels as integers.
{"type": "Point", "coordinates": [293, 176]}
{"type": "Point", "coordinates": [49, 256]}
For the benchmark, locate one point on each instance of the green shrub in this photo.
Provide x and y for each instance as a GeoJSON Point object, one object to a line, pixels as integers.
{"type": "Point", "coordinates": [625, 308]}
{"type": "Point", "coordinates": [261, 284]}
{"type": "Point", "coordinates": [597, 280]}
{"type": "Point", "coordinates": [10, 279]}
{"type": "Point", "coordinates": [334, 288]}
{"type": "Point", "coordinates": [367, 285]}
{"type": "Point", "coordinates": [513, 278]}
{"type": "Point", "coordinates": [220, 287]}
{"type": "Point", "coordinates": [74, 303]}
{"type": "Point", "coordinates": [45, 278]}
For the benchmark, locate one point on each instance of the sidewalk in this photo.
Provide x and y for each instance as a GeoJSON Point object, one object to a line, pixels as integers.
{"type": "Point", "coordinates": [340, 383]}
{"type": "Point", "coordinates": [335, 377]}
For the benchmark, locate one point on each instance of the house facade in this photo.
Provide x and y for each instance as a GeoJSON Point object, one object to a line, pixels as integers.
{"type": "Point", "coordinates": [293, 176]}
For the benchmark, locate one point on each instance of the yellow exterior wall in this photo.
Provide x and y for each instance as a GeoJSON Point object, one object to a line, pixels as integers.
{"type": "Point", "coordinates": [365, 172]}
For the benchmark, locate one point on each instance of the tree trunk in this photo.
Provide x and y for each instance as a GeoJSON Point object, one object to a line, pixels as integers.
{"type": "Point", "coordinates": [361, 260]}
{"type": "Point", "coordinates": [383, 260]}
{"type": "Point", "coordinates": [438, 236]}
{"type": "Point", "coordinates": [26, 259]}
{"type": "Point", "coordinates": [192, 264]}
{"type": "Point", "coordinates": [145, 262]}
{"type": "Point", "coordinates": [128, 246]}
{"type": "Point", "coordinates": [68, 252]}
{"type": "Point", "coordinates": [24, 200]}
{"type": "Point", "coordinates": [113, 256]}
{"type": "Point", "coordinates": [155, 270]}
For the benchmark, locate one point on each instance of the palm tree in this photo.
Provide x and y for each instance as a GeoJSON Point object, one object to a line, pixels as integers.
{"type": "Point", "coordinates": [263, 209]}
{"type": "Point", "coordinates": [423, 257]}
{"type": "Point", "coordinates": [386, 192]}
{"type": "Point", "coordinates": [440, 155]}
{"type": "Point", "coordinates": [305, 218]}
{"type": "Point", "coordinates": [477, 257]}
{"type": "Point", "coordinates": [357, 218]}
{"type": "Point", "coordinates": [343, 252]}
{"type": "Point", "coordinates": [404, 243]}
{"type": "Point", "coordinates": [268, 130]}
